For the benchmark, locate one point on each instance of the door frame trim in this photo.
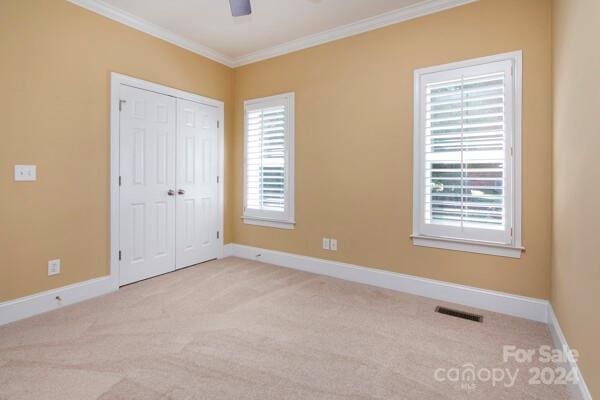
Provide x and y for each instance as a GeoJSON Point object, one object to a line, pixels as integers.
{"type": "Point", "coordinates": [116, 80]}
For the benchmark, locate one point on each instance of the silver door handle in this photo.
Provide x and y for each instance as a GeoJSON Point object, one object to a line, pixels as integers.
{"type": "Point", "coordinates": [181, 191]}
{"type": "Point", "coordinates": [171, 192]}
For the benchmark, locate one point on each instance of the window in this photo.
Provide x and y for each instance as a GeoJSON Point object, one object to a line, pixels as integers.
{"type": "Point", "coordinates": [269, 161]}
{"type": "Point", "coordinates": [467, 156]}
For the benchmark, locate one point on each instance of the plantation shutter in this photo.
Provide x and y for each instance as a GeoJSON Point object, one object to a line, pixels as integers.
{"type": "Point", "coordinates": [466, 124]}
{"type": "Point", "coordinates": [269, 161]}
{"type": "Point", "coordinates": [265, 157]}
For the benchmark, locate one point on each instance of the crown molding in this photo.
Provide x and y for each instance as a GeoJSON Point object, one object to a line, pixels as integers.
{"type": "Point", "coordinates": [417, 10]}
{"type": "Point", "coordinates": [355, 28]}
{"type": "Point", "coordinates": [151, 29]}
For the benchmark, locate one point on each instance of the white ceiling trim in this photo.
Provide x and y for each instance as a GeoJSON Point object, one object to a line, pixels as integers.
{"type": "Point", "coordinates": [423, 8]}
{"type": "Point", "coordinates": [364, 25]}
{"type": "Point", "coordinates": [141, 24]}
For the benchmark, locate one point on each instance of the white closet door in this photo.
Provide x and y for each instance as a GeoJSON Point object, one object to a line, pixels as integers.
{"type": "Point", "coordinates": [197, 165]}
{"type": "Point", "coordinates": [147, 170]}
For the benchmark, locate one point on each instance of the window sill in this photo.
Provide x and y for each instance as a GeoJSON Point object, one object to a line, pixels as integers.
{"type": "Point", "coordinates": [468, 246]}
{"type": "Point", "coordinates": [271, 223]}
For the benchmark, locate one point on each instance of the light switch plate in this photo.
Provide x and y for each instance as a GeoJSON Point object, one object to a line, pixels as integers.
{"type": "Point", "coordinates": [25, 173]}
{"type": "Point", "coordinates": [53, 267]}
{"type": "Point", "coordinates": [325, 244]}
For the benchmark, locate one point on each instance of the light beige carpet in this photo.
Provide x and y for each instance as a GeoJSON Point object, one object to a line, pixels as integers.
{"type": "Point", "coordinates": [236, 329]}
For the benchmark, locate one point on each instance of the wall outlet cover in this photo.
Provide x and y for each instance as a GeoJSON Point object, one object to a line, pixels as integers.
{"type": "Point", "coordinates": [25, 173]}
{"type": "Point", "coordinates": [53, 267]}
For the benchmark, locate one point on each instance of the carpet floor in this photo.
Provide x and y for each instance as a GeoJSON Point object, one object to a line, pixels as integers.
{"type": "Point", "coordinates": [239, 329]}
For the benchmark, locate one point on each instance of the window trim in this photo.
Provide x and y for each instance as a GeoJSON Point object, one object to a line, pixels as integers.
{"type": "Point", "coordinates": [513, 249]}
{"type": "Point", "coordinates": [259, 217]}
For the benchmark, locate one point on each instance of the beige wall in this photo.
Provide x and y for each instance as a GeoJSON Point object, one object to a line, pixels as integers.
{"type": "Point", "coordinates": [55, 61]}
{"type": "Point", "coordinates": [576, 267]}
{"type": "Point", "coordinates": [353, 145]}
{"type": "Point", "coordinates": [354, 129]}
{"type": "Point", "coordinates": [353, 138]}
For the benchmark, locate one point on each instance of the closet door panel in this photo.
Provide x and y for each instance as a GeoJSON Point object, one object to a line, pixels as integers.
{"type": "Point", "coordinates": [197, 163]}
{"type": "Point", "coordinates": [147, 173]}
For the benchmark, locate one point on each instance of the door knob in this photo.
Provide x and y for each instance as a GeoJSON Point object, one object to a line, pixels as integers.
{"type": "Point", "coordinates": [171, 192]}
{"type": "Point", "coordinates": [181, 191]}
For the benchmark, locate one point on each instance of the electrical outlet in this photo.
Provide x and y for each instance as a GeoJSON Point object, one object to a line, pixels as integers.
{"type": "Point", "coordinates": [53, 267]}
{"type": "Point", "coordinates": [25, 173]}
{"type": "Point", "coordinates": [326, 244]}
{"type": "Point", "coordinates": [333, 244]}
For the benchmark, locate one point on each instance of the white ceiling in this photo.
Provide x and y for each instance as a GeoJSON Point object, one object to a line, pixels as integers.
{"type": "Point", "coordinates": [275, 26]}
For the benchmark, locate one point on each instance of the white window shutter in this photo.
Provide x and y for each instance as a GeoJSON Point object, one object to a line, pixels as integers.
{"type": "Point", "coordinates": [465, 152]}
{"type": "Point", "coordinates": [268, 169]}
{"type": "Point", "coordinates": [466, 179]}
{"type": "Point", "coordinates": [266, 159]}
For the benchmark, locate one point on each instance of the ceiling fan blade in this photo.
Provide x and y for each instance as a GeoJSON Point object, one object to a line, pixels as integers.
{"type": "Point", "coordinates": [240, 7]}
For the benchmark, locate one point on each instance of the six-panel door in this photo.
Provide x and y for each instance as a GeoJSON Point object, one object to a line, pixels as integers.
{"type": "Point", "coordinates": [168, 192]}
{"type": "Point", "coordinates": [147, 169]}
{"type": "Point", "coordinates": [197, 165]}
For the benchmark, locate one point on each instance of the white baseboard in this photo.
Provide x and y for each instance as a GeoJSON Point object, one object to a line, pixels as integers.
{"type": "Point", "coordinates": [228, 250]}
{"type": "Point", "coordinates": [580, 391]}
{"type": "Point", "coordinates": [519, 306]}
{"type": "Point", "coordinates": [39, 303]}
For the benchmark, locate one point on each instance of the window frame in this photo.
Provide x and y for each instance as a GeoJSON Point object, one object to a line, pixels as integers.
{"type": "Point", "coordinates": [500, 243]}
{"type": "Point", "coordinates": [273, 219]}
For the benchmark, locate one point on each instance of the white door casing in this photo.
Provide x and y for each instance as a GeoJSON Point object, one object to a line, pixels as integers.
{"type": "Point", "coordinates": [147, 174]}
{"type": "Point", "coordinates": [197, 186]}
